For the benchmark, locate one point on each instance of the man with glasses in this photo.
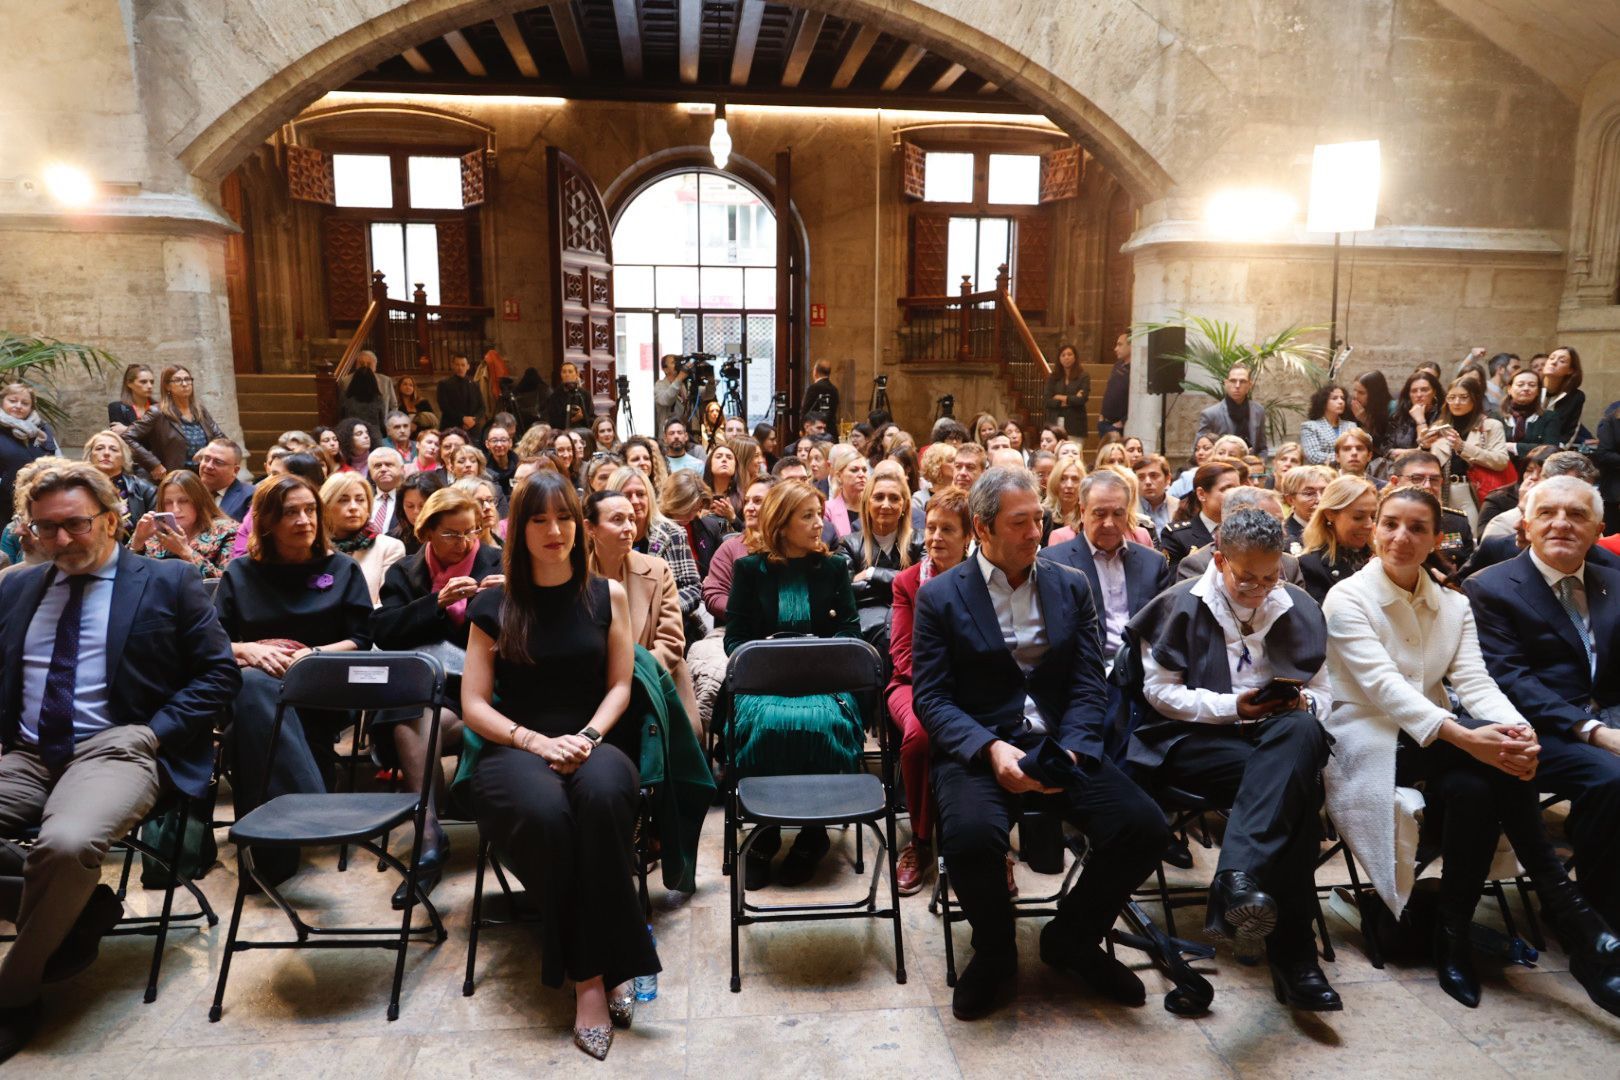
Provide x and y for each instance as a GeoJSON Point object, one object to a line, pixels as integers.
{"type": "Point", "coordinates": [97, 717]}
{"type": "Point", "coordinates": [1233, 688]}
{"type": "Point", "coordinates": [217, 467]}
{"type": "Point", "coordinates": [1421, 469]}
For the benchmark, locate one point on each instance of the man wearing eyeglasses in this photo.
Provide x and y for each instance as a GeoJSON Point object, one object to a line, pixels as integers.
{"type": "Point", "coordinates": [217, 467]}
{"type": "Point", "coordinates": [1233, 686]}
{"type": "Point", "coordinates": [1421, 469]}
{"type": "Point", "coordinates": [114, 668]}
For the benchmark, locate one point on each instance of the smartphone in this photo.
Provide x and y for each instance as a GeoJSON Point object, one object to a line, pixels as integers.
{"type": "Point", "coordinates": [1278, 690]}
{"type": "Point", "coordinates": [165, 520]}
{"type": "Point", "coordinates": [1440, 429]}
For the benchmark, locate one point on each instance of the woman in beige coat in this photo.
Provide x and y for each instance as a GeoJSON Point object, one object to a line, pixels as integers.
{"type": "Point", "coordinates": [655, 604]}
{"type": "Point", "coordinates": [1395, 638]}
{"type": "Point", "coordinates": [1472, 439]}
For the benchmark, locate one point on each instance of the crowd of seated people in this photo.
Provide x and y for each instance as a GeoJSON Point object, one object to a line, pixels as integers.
{"type": "Point", "coordinates": [1420, 583]}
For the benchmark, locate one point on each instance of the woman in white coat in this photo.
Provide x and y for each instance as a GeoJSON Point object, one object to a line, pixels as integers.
{"type": "Point", "coordinates": [1395, 636]}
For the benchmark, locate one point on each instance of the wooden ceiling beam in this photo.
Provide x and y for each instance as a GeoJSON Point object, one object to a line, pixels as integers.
{"type": "Point", "coordinates": [689, 35]}
{"type": "Point", "coordinates": [749, 17]}
{"type": "Point", "coordinates": [573, 42]}
{"type": "Point", "coordinates": [465, 53]}
{"type": "Point", "coordinates": [904, 66]}
{"type": "Point", "coordinates": [418, 62]}
{"type": "Point", "coordinates": [947, 78]}
{"type": "Point", "coordinates": [855, 56]}
{"type": "Point", "coordinates": [804, 43]}
{"type": "Point", "coordinates": [627, 15]}
{"type": "Point", "coordinates": [519, 48]}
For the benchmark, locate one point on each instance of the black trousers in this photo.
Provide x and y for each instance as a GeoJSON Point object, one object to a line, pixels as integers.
{"type": "Point", "coordinates": [1125, 827]}
{"type": "Point", "coordinates": [1590, 778]}
{"type": "Point", "coordinates": [570, 840]}
{"type": "Point", "coordinates": [1271, 778]}
{"type": "Point", "coordinates": [1467, 805]}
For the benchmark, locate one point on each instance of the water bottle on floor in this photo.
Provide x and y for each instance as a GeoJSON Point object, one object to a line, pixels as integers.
{"type": "Point", "coordinates": [646, 986]}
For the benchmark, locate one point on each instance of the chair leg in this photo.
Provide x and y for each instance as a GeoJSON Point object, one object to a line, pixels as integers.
{"type": "Point", "coordinates": [1322, 929]}
{"type": "Point", "coordinates": [860, 850]}
{"type": "Point", "coordinates": [894, 900]}
{"type": "Point", "coordinates": [477, 916]}
{"type": "Point", "coordinates": [738, 890]}
{"type": "Point", "coordinates": [1532, 922]}
{"type": "Point", "coordinates": [405, 919]}
{"type": "Point", "coordinates": [1164, 899]}
{"type": "Point", "coordinates": [1369, 940]}
{"type": "Point", "coordinates": [230, 948]}
{"type": "Point", "coordinates": [168, 899]}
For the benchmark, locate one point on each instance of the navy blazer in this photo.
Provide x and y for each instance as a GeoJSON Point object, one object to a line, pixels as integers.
{"type": "Point", "coordinates": [968, 689]}
{"type": "Point", "coordinates": [169, 663]}
{"type": "Point", "coordinates": [1532, 649]}
{"type": "Point", "coordinates": [235, 500]}
{"type": "Point", "coordinates": [1500, 549]}
{"type": "Point", "coordinates": [1147, 572]}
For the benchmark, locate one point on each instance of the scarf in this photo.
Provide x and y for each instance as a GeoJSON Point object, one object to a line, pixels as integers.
{"type": "Point", "coordinates": [1238, 414]}
{"type": "Point", "coordinates": [439, 574]}
{"type": "Point", "coordinates": [29, 432]}
{"type": "Point", "coordinates": [927, 570]}
{"type": "Point", "coordinates": [360, 541]}
{"type": "Point", "coordinates": [838, 513]}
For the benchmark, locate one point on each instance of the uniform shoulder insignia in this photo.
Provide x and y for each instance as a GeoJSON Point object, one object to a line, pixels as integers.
{"type": "Point", "coordinates": [1175, 526]}
{"type": "Point", "coordinates": [1194, 550]}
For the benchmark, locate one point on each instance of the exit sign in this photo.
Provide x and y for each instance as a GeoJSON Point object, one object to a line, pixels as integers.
{"type": "Point", "coordinates": [818, 314]}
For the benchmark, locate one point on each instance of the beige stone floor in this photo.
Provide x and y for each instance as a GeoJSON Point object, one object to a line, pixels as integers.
{"type": "Point", "coordinates": [817, 1000]}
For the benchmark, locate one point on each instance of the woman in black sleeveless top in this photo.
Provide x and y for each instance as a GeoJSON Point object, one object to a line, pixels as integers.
{"type": "Point", "coordinates": [549, 662]}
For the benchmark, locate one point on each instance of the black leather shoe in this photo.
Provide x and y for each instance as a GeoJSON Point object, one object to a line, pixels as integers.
{"type": "Point", "coordinates": [428, 872]}
{"type": "Point", "coordinates": [1454, 961]}
{"type": "Point", "coordinates": [984, 985]}
{"type": "Point", "coordinates": [1593, 949]}
{"type": "Point", "coordinates": [1238, 908]}
{"type": "Point", "coordinates": [1301, 985]}
{"type": "Point", "coordinates": [1092, 964]}
{"type": "Point", "coordinates": [806, 854]}
{"type": "Point", "coordinates": [1178, 853]}
{"type": "Point", "coordinates": [757, 864]}
{"type": "Point", "coordinates": [17, 1026]}
{"type": "Point", "coordinates": [82, 944]}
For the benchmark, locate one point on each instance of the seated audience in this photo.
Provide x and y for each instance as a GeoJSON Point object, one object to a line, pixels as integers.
{"type": "Point", "coordinates": [847, 474]}
{"type": "Point", "coordinates": [1300, 490]}
{"type": "Point", "coordinates": [1209, 651]}
{"type": "Point", "coordinates": [414, 492]}
{"type": "Point", "coordinates": [309, 466]}
{"type": "Point", "coordinates": [687, 502]}
{"type": "Point", "coordinates": [1525, 424]}
{"type": "Point", "coordinates": [386, 471]}
{"type": "Point", "coordinates": [883, 546]}
{"type": "Point", "coordinates": [96, 724]}
{"type": "Point", "coordinates": [1336, 542]}
{"type": "Point", "coordinates": [599, 469]}
{"type": "Point", "coordinates": [111, 457]}
{"type": "Point", "coordinates": [486, 494]}
{"type": "Point", "coordinates": [656, 535]}
{"type": "Point", "coordinates": [1421, 469]}
{"type": "Point", "coordinates": [291, 595]}
{"type": "Point", "coordinates": [969, 464]}
{"type": "Point", "coordinates": [500, 461]}
{"type": "Point", "coordinates": [642, 453]}
{"type": "Point", "coordinates": [397, 428]}
{"type": "Point", "coordinates": [201, 534]}
{"type": "Point", "coordinates": [1203, 450]}
{"type": "Point", "coordinates": [1152, 480]}
{"type": "Point", "coordinates": [218, 466]}
{"type": "Point", "coordinates": [720, 476]}
{"type": "Point", "coordinates": [427, 454]}
{"type": "Point", "coordinates": [707, 656]}
{"type": "Point", "coordinates": [355, 440]}
{"type": "Point", "coordinates": [1417, 409]}
{"type": "Point", "coordinates": [1061, 505]}
{"type": "Point", "coordinates": [1473, 442]}
{"type": "Point", "coordinates": [1396, 641]}
{"type": "Point", "coordinates": [346, 499]}
{"type": "Point", "coordinates": [1194, 524]}
{"type": "Point", "coordinates": [1354, 451]}
{"type": "Point", "coordinates": [1242, 498]}
{"type": "Point", "coordinates": [1007, 672]}
{"type": "Point", "coordinates": [1289, 456]}
{"type": "Point", "coordinates": [24, 437]}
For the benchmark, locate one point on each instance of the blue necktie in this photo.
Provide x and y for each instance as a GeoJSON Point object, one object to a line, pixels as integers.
{"type": "Point", "coordinates": [56, 706]}
{"type": "Point", "coordinates": [1566, 597]}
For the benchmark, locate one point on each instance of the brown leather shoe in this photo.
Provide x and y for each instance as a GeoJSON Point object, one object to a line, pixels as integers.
{"type": "Point", "coordinates": [1012, 882]}
{"type": "Point", "coordinates": [911, 869]}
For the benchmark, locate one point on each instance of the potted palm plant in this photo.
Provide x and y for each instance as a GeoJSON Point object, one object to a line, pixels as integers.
{"type": "Point", "coordinates": [37, 361]}
{"type": "Point", "coordinates": [1213, 349]}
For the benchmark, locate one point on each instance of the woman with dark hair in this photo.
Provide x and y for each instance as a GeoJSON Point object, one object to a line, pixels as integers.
{"type": "Point", "coordinates": [568, 463]}
{"type": "Point", "coordinates": [307, 466]}
{"type": "Point", "coordinates": [791, 584]}
{"type": "Point", "coordinates": [201, 534]}
{"type": "Point", "coordinates": [1416, 410]}
{"type": "Point", "coordinates": [1396, 641]}
{"type": "Point", "coordinates": [765, 435]}
{"type": "Point", "coordinates": [1067, 391]}
{"type": "Point", "coordinates": [327, 440]}
{"type": "Point", "coordinates": [1200, 513]}
{"type": "Point", "coordinates": [1371, 407]}
{"type": "Point", "coordinates": [134, 398]}
{"type": "Point", "coordinates": [549, 663]}
{"type": "Point", "coordinates": [906, 458]}
{"type": "Point", "coordinates": [1015, 436]}
{"type": "Point", "coordinates": [1327, 421]}
{"type": "Point", "coordinates": [711, 424]}
{"type": "Point", "coordinates": [877, 446]}
{"type": "Point", "coordinates": [644, 455]}
{"type": "Point", "coordinates": [171, 435]}
{"type": "Point", "coordinates": [361, 396]}
{"type": "Point", "coordinates": [291, 595]}
{"type": "Point", "coordinates": [413, 495]}
{"type": "Point", "coordinates": [1473, 439]}
{"type": "Point", "coordinates": [355, 439]}
{"type": "Point", "coordinates": [1525, 424]}
{"type": "Point", "coordinates": [1561, 394]}
{"type": "Point", "coordinates": [1051, 436]}
{"type": "Point", "coordinates": [721, 477]}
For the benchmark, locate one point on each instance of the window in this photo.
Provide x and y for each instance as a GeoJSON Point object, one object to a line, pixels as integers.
{"type": "Point", "coordinates": [407, 254]}
{"type": "Point", "coordinates": [362, 180]}
{"type": "Point", "coordinates": [1015, 179]}
{"type": "Point", "coordinates": [977, 247]}
{"type": "Point", "coordinates": [949, 178]}
{"type": "Point", "coordinates": [435, 183]}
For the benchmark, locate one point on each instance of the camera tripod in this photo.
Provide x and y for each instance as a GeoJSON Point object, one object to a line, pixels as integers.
{"type": "Point", "coordinates": [623, 408]}
{"type": "Point", "coordinates": [731, 401]}
{"type": "Point", "coordinates": [880, 395]}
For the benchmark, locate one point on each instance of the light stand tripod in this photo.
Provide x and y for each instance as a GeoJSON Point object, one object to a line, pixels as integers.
{"type": "Point", "coordinates": [623, 408]}
{"type": "Point", "coordinates": [880, 396]}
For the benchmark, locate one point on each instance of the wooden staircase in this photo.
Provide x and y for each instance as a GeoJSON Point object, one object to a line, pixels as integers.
{"type": "Point", "coordinates": [270, 405]}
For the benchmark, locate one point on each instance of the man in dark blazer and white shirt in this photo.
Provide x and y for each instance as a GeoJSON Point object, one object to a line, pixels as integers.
{"type": "Point", "coordinates": [1008, 676]}
{"type": "Point", "coordinates": [218, 464]}
{"type": "Point", "coordinates": [1549, 629]}
{"type": "Point", "coordinates": [112, 670]}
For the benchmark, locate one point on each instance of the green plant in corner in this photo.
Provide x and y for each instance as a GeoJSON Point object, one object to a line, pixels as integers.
{"type": "Point", "coordinates": [37, 361]}
{"type": "Point", "coordinates": [1213, 349]}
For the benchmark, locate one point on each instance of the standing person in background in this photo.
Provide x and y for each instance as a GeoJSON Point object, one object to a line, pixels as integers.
{"type": "Point", "coordinates": [1068, 393]}
{"type": "Point", "coordinates": [1371, 407]}
{"type": "Point", "coordinates": [1473, 441]}
{"type": "Point", "coordinates": [1116, 399]}
{"type": "Point", "coordinates": [1235, 414]}
{"type": "Point", "coordinates": [1503, 367]}
{"type": "Point", "coordinates": [1562, 395]}
{"type": "Point", "coordinates": [821, 398]}
{"type": "Point", "coordinates": [765, 435]}
{"type": "Point", "coordinates": [1525, 424]}
{"type": "Point", "coordinates": [460, 402]}
{"type": "Point", "coordinates": [670, 400]}
{"type": "Point", "coordinates": [1419, 407]}
{"type": "Point", "coordinates": [171, 435]}
{"type": "Point", "coordinates": [366, 393]}
{"type": "Point", "coordinates": [134, 398]}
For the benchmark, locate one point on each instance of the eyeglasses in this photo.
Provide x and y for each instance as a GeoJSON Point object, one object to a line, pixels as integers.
{"type": "Point", "coordinates": [180, 379]}
{"type": "Point", "coordinates": [75, 526]}
{"type": "Point", "coordinates": [465, 538]}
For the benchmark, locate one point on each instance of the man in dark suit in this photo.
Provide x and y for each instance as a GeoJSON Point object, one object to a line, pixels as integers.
{"type": "Point", "coordinates": [1008, 676]}
{"type": "Point", "coordinates": [386, 471]}
{"type": "Point", "coordinates": [1549, 629]}
{"type": "Point", "coordinates": [218, 467]}
{"type": "Point", "coordinates": [1235, 414]}
{"type": "Point", "coordinates": [461, 403]}
{"type": "Point", "coordinates": [569, 406]}
{"type": "Point", "coordinates": [114, 669]}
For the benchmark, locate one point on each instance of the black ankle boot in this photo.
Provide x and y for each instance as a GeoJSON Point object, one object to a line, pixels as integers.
{"type": "Point", "coordinates": [1454, 960]}
{"type": "Point", "coordinates": [1594, 950]}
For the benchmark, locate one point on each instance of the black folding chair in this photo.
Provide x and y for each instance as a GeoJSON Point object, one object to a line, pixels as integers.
{"type": "Point", "coordinates": [793, 667]}
{"type": "Point", "coordinates": [358, 681]}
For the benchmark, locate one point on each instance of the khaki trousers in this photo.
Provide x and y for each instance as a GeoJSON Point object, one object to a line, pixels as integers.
{"type": "Point", "coordinates": [109, 786]}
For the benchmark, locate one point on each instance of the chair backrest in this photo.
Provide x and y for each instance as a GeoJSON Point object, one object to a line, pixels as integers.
{"type": "Point", "coordinates": [792, 667]}
{"type": "Point", "coordinates": [363, 680]}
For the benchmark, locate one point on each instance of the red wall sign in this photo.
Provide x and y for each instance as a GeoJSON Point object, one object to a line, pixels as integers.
{"type": "Point", "coordinates": [818, 314]}
{"type": "Point", "coordinates": [509, 309]}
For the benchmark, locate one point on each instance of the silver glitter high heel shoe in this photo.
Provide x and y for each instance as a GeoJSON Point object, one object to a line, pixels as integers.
{"type": "Point", "coordinates": [595, 1041]}
{"type": "Point", "coordinates": [622, 1007]}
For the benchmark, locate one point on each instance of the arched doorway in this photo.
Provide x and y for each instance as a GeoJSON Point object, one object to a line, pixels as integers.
{"type": "Point", "coordinates": [695, 273]}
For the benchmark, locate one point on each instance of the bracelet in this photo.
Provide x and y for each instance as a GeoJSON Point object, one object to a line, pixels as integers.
{"type": "Point", "coordinates": [511, 735]}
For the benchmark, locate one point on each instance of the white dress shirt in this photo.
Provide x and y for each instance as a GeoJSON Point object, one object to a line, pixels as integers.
{"type": "Point", "coordinates": [1018, 616]}
{"type": "Point", "coordinates": [383, 513]}
{"type": "Point", "coordinates": [1577, 598]}
{"type": "Point", "coordinates": [1168, 692]}
{"type": "Point", "coordinates": [1114, 606]}
{"type": "Point", "coordinates": [90, 692]}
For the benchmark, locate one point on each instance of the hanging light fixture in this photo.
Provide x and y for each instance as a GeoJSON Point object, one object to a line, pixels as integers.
{"type": "Point", "coordinates": [720, 141]}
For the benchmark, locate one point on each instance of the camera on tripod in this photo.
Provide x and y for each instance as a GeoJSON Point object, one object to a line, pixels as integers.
{"type": "Point", "coordinates": [731, 367]}
{"type": "Point", "coordinates": [882, 382]}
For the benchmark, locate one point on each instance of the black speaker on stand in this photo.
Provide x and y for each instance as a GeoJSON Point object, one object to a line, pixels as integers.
{"type": "Point", "coordinates": [1166, 369]}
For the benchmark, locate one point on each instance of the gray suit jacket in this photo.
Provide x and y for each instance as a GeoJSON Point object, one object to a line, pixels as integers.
{"type": "Point", "coordinates": [1215, 422]}
{"type": "Point", "coordinates": [1195, 564]}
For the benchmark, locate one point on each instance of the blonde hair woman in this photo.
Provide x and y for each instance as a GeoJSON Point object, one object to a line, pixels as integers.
{"type": "Point", "coordinates": [659, 536]}
{"type": "Point", "coordinates": [347, 503]}
{"type": "Point", "coordinates": [1062, 501]}
{"type": "Point", "coordinates": [110, 455]}
{"type": "Point", "coordinates": [1335, 541]}
{"type": "Point", "coordinates": [847, 474]}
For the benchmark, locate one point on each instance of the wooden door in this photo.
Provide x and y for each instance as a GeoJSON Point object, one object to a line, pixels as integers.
{"type": "Point", "coordinates": [239, 291]}
{"type": "Point", "coordinates": [581, 279]}
{"type": "Point", "coordinates": [1119, 274]}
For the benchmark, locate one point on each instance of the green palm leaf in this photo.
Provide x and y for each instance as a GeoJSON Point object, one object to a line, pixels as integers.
{"type": "Point", "coordinates": [38, 361]}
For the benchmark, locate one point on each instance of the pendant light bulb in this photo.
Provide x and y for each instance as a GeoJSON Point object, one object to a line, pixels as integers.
{"type": "Point", "coordinates": [720, 141]}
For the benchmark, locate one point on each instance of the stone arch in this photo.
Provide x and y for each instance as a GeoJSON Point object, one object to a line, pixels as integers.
{"type": "Point", "coordinates": [1594, 234]}
{"type": "Point", "coordinates": [1099, 103]}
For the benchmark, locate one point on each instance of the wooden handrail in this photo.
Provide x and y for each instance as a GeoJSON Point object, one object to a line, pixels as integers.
{"type": "Point", "coordinates": [357, 343]}
{"type": "Point", "coordinates": [947, 301]}
{"type": "Point", "coordinates": [1016, 317]}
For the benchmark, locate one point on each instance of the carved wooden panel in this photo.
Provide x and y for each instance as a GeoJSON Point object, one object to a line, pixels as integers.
{"type": "Point", "coordinates": [309, 175]}
{"type": "Point", "coordinates": [1061, 171]}
{"type": "Point", "coordinates": [930, 236]}
{"type": "Point", "coordinates": [1032, 272]}
{"type": "Point", "coordinates": [472, 178]}
{"type": "Point", "coordinates": [239, 285]}
{"type": "Point", "coordinates": [602, 290]}
{"type": "Point", "coordinates": [1119, 273]}
{"type": "Point", "coordinates": [584, 219]}
{"type": "Point", "coordinates": [601, 338]}
{"type": "Point", "coordinates": [348, 269]}
{"type": "Point", "coordinates": [913, 170]}
{"type": "Point", "coordinates": [574, 287]}
{"type": "Point", "coordinates": [455, 276]}
{"type": "Point", "coordinates": [574, 335]}
{"type": "Point", "coordinates": [582, 269]}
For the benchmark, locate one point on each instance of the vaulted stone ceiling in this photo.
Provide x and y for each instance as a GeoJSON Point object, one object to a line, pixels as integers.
{"type": "Point", "coordinates": [1567, 41]}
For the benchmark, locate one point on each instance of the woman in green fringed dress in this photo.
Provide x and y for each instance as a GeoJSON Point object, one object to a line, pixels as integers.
{"type": "Point", "coordinates": [791, 584]}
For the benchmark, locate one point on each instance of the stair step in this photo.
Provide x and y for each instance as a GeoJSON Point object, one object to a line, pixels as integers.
{"type": "Point", "coordinates": [279, 419]}
{"type": "Point", "coordinates": [285, 384]}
